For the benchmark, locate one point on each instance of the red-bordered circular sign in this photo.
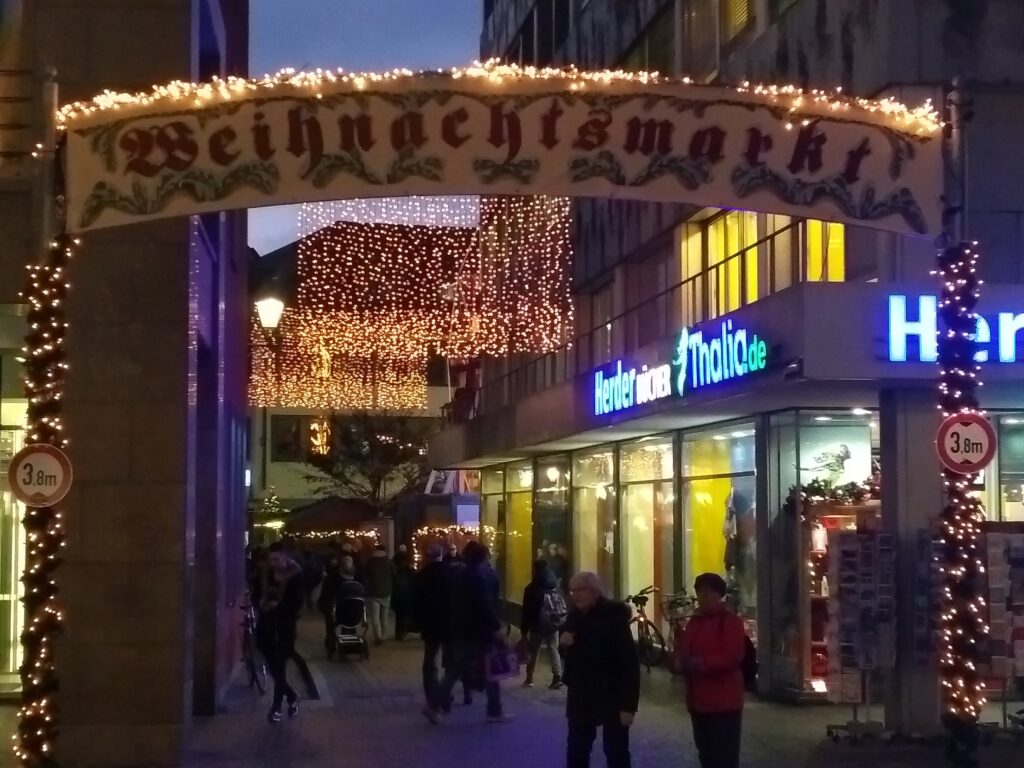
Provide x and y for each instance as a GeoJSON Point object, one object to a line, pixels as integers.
{"type": "Point", "coordinates": [40, 475]}
{"type": "Point", "coordinates": [966, 442]}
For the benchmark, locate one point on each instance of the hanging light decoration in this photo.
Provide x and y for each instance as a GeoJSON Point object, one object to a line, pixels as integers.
{"type": "Point", "coordinates": [963, 620]}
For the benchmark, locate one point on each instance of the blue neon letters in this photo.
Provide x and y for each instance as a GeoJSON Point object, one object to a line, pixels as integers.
{"type": "Point", "coordinates": [925, 327]}
{"type": "Point", "coordinates": [727, 355]}
{"type": "Point", "coordinates": [621, 389]}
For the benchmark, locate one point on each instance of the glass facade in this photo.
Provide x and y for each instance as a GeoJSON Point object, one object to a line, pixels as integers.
{"type": "Point", "coordinates": [518, 529]}
{"type": "Point", "coordinates": [647, 517]}
{"type": "Point", "coordinates": [13, 414]}
{"type": "Point", "coordinates": [719, 491]}
{"type": "Point", "coordinates": [594, 520]}
{"type": "Point", "coordinates": [551, 515]}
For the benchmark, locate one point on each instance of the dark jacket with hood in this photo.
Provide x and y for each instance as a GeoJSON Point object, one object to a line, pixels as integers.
{"type": "Point", "coordinates": [544, 581]}
{"type": "Point", "coordinates": [280, 608]}
{"type": "Point", "coordinates": [602, 670]}
{"type": "Point", "coordinates": [329, 586]}
{"type": "Point", "coordinates": [379, 575]}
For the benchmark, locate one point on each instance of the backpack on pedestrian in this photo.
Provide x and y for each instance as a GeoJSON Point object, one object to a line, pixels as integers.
{"type": "Point", "coordinates": [553, 611]}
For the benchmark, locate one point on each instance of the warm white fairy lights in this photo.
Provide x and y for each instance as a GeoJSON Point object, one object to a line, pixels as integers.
{"type": "Point", "coordinates": [964, 616]}
{"type": "Point", "coordinates": [44, 370]}
{"type": "Point", "coordinates": [321, 82]}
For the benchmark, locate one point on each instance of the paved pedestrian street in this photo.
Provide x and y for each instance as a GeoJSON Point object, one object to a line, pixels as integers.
{"type": "Point", "coordinates": [369, 715]}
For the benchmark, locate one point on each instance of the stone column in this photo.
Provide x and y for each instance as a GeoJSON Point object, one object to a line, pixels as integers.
{"type": "Point", "coordinates": [911, 498]}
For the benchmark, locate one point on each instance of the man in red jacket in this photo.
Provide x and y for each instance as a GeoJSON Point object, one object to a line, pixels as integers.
{"type": "Point", "coordinates": [710, 655]}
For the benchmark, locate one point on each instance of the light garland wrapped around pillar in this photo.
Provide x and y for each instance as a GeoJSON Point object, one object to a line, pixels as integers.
{"type": "Point", "coordinates": [45, 366]}
{"type": "Point", "coordinates": [963, 620]}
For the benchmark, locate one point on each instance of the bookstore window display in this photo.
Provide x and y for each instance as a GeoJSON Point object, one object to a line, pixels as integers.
{"type": "Point", "coordinates": [518, 529]}
{"type": "Point", "coordinates": [551, 515]}
{"type": "Point", "coordinates": [647, 517]}
{"type": "Point", "coordinates": [1004, 480]}
{"type": "Point", "coordinates": [13, 414]}
{"type": "Point", "coordinates": [593, 512]}
{"type": "Point", "coordinates": [719, 490]}
{"type": "Point", "coordinates": [822, 479]}
{"type": "Point", "coordinates": [492, 512]}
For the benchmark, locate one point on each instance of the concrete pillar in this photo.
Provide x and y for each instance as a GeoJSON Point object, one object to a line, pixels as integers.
{"type": "Point", "coordinates": [126, 660]}
{"type": "Point", "coordinates": [911, 498]}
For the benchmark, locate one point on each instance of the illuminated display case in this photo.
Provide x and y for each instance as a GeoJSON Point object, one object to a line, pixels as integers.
{"type": "Point", "coordinates": [822, 476]}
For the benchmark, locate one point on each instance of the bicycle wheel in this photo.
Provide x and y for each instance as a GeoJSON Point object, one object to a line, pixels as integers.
{"type": "Point", "coordinates": [254, 665]}
{"type": "Point", "coordinates": [650, 645]}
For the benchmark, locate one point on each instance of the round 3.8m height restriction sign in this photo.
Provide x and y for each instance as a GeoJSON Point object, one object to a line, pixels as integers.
{"type": "Point", "coordinates": [40, 475]}
{"type": "Point", "coordinates": [966, 442]}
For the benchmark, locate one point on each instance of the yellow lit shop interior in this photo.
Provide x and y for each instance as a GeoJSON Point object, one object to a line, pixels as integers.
{"type": "Point", "coordinates": [13, 409]}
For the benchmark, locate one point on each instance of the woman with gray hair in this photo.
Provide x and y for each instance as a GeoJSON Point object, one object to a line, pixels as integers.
{"type": "Point", "coordinates": [602, 672]}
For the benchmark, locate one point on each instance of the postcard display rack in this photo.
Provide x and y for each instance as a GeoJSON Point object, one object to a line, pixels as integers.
{"type": "Point", "coordinates": [861, 630]}
{"type": "Point", "coordinates": [1004, 555]}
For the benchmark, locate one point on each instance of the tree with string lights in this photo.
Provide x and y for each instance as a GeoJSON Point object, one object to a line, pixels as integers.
{"type": "Point", "coordinates": [376, 457]}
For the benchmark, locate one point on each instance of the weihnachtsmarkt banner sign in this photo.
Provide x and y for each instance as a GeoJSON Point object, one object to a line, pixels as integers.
{"type": "Point", "coordinates": [193, 148]}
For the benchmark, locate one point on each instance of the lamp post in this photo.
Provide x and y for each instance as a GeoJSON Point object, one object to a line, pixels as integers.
{"type": "Point", "coordinates": [270, 309]}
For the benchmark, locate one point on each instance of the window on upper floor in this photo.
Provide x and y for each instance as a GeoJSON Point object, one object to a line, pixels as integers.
{"type": "Point", "coordinates": [655, 49]}
{"type": "Point", "coordinates": [699, 38]}
{"type": "Point", "coordinates": [734, 258]}
{"type": "Point", "coordinates": [488, 9]}
{"type": "Point", "coordinates": [735, 18]}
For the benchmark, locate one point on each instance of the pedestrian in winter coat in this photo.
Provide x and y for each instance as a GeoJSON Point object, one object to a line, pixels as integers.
{"type": "Point", "coordinates": [402, 599]}
{"type": "Point", "coordinates": [602, 671]}
{"type": "Point", "coordinates": [710, 655]}
{"type": "Point", "coordinates": [328, 596]}
{"type": "Point", "coordinates": [539, 628]}
{"type": "Point", "coordinates": [433, 601]}
{"type": "Point", "coordinates": [380, 586]}
{"type": "Point", "coordinates": [277, 626]}
{"type": "Point", "coordinates": [478, 627]}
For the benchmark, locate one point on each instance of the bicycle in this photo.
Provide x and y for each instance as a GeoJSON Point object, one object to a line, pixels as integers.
{"type": "Point", "coordinates": [255, 666]}
{"type": "Point", "coordinates": [649, 640]}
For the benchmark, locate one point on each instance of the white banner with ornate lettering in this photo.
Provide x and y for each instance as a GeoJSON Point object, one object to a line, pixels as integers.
{"type": "Point", "coordinates": [194, 149]}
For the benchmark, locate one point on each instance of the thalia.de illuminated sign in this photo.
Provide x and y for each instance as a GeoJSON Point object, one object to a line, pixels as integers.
{"type": "Point", "coordinates": [727, 354]}
{"type": "Point", "coordinates": [703, 357]}
{"type": "Point", "coordinates": [907, 321]}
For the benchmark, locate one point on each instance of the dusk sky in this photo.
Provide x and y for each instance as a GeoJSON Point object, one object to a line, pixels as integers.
{"type": "Point", "coordinates": [366, 35]}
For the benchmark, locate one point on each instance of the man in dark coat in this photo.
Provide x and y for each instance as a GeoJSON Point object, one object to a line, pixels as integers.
{"type": "Point", "coordinates": [478, 627]}
{"type": "Point", "coordinates": [433, 603]}
{"type": "Point", "coordinates": [277, 627]}
{"type": "Point", "coordinates": [602, 672]}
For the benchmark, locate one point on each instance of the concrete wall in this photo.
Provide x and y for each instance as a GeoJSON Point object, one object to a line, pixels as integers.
{"type": "Point", "coordinates": [155, 414]}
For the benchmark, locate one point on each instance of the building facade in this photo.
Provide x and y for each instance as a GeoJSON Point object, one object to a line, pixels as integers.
{"type": "Point", "coordinates": [155, 398]}
{"type": "Point", "coordinates": [724, 360]}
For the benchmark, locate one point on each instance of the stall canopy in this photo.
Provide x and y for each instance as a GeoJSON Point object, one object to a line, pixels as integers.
{"type": "Point", "coordinates": [329, 514]}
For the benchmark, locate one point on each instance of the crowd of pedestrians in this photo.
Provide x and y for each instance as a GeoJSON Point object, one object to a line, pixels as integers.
{"type": "Point", "coordinates": [453, 602]}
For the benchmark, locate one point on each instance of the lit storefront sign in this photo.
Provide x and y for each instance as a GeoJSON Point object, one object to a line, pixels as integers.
{"type": "Point", "coordinates": [622, 389]}
{"type": "Point", "coordinates": [700, 360]}
{"type": "Point", "coordinates": [901, 328]}
{"type": "Point", "coordinates": [728, 354]}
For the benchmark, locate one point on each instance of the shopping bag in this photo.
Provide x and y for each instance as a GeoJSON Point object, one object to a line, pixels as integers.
{"type": "Point", "coordinates": [501, 664]}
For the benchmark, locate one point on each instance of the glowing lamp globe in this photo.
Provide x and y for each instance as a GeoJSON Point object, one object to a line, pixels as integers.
{"type": "Point", "coordinates": [270, 310]}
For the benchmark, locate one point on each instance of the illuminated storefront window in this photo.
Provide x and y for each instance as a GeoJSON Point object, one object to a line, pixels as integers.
{"type": "Point", "coordinates": [518, 529]}
{"type": "Point", "coordinates": [647, 517]}
{"type": "Point", "coordinates": [719, 494]}
{"type": "Point", "coordinates": [594, 524]}
{"type": "Point", "coordinates": [13, 413]}
{"type": "Point", "coordinates": [492, 513]}
{"type": "Point", "coordinates": [551, 515]}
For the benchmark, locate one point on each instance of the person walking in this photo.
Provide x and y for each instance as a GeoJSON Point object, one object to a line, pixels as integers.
{"type": "Point", "coordinates": [544, 612]}
{"type": "Point", "coordinates": [277, 626]}
{"type": "Point", "coordinates": [380, 585]}
{"type": "Point", "coordinates": [433, 602]}
{"type": "Point", "coordinates": [402, 599]}
{"type": "Point", "coordinates": [710, 655]}
{"type": "Point", "coordinates": [326, 600]}
{"type": "Point", "coordinates": [479, 629]}
{"type": "Point", "coordinates": [602, 672]}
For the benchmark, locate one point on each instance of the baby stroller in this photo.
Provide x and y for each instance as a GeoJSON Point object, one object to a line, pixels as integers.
{"type": "Point", "coordinates": [350, 627]}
